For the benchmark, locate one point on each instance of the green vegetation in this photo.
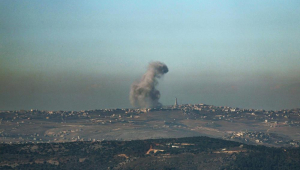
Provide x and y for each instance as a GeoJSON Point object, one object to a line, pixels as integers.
{"type": "Point", "coordinates": [261, 157]}
{"type": "Point", "coordinates": [174, 153]}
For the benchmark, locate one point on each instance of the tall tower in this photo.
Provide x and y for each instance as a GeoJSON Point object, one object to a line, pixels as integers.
{"type": "Point", "coordinates": [176, 104]}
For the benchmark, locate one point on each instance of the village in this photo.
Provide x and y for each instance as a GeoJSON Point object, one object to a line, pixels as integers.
{"type": "Point", "coordinates": [39, 126]}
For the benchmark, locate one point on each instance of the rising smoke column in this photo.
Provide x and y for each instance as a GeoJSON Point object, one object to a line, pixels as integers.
{"type": "Point", "coordinates": [143, 93]}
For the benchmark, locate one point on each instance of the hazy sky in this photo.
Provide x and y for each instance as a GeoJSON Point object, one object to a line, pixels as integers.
{"type": "Point", "coordinates": [81, 55]}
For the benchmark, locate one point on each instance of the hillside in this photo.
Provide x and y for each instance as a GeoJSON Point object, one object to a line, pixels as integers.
{"type": "Point", "coordinates": [173, 153]}
{"type": "Point", "coordinates": [249, 126]}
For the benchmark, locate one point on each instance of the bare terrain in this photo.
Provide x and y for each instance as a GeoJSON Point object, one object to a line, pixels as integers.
{"type": "Point", "coordinates": [271, 128]}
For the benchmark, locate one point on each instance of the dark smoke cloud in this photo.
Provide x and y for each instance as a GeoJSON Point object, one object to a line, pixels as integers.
{"type": "Point", "coordinates": [143, 93]}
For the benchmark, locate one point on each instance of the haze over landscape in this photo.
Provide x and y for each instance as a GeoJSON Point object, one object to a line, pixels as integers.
{"type": "Point", "coordinates": [67, 55]}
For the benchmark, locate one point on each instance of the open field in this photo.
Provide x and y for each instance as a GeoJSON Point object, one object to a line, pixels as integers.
{"type": "Point", "coordinates": [120, 124]}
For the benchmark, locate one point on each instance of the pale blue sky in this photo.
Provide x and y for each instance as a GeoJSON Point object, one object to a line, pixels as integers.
{"type": "Point", "coordinates": [76, 55]}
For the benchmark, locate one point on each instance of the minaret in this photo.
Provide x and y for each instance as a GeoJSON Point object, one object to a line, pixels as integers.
{"type": "Point", "coordinates": [176, 104]}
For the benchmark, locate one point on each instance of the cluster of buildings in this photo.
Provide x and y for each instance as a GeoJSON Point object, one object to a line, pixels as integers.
{"type": "Point", "coordinates": [289, 117]}
{"type": "Point", "coordinates": [261, 138]}
{"type": "Point", "coordinates": [12, 122]}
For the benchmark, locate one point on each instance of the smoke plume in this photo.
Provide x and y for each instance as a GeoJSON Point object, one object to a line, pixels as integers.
{"type": "Point", "coordinates": [143, 93]}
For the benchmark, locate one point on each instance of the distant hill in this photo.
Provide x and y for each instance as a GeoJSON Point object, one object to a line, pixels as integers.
{"type": "Point", "coordinates": [249, 126]}
{"type": "Point", "coordinates": [174, 153]}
